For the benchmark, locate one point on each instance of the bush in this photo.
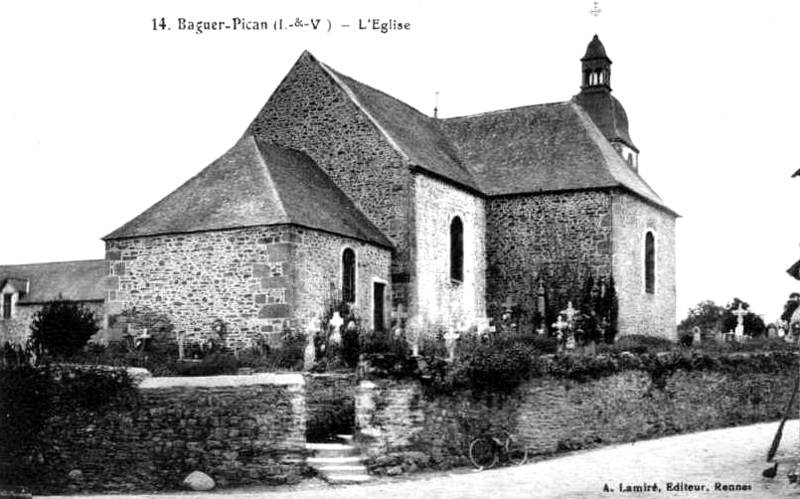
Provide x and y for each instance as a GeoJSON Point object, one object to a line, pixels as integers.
{"type": "Point", "coordinates": [62, 328]}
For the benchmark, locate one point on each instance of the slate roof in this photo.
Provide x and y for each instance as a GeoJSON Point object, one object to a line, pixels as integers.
{"type": "Point", "coordinates": [595, 50]}
{"type": "Point", "coordinates": [544, 148]}
{"type": "Point", "coordinates": [74, 281]}
{"type": "Point", "coordinates": [416, 135]}
{"type": "Point", "coordinates": [794, 270]}
{"type": "Point", "coordinates": [255, 183]}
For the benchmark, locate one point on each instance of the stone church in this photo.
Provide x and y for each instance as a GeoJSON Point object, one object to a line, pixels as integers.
{"type": "Point", "coordinates": [338, 190]}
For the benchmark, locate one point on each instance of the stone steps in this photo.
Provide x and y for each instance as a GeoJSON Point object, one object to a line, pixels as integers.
{"type": "Point", "coordinates": [338, 463]}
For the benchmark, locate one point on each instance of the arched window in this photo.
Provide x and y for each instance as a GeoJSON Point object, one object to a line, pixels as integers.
{"type": "Point", "coordinates": [649, 263]}
{"type": "Point", "coordinates": [456, 250]}
{"type": "Point", "coordinates": [348, 275]}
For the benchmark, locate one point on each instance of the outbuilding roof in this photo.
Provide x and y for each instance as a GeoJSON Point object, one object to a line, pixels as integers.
{"type": "Point", "coordinates": [81, 280]}
{"type": "Point", "coordinates": [255, 183]}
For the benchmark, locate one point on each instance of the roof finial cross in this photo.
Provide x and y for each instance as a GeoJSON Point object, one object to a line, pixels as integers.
{"type": "Point", "coordinates": [596, 10]}
{"type": "Point", "coordinates": [436, 105]}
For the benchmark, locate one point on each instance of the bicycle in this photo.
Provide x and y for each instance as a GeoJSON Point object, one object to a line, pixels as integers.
{"type": "Point", "coordinates": [486, 451]}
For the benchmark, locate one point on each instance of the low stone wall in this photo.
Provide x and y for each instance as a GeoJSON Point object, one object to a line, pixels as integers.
{"type": "Point", "coordinates": [330, 405]}
{"type": "Point", "coordinates": [397, 418]}
{"type": "Point", "coordinates": [237, 429]}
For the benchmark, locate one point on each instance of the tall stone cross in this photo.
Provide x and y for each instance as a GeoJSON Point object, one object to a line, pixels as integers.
{"type": "Point", "coordinates": [450, 343]}
{"type": "Point", "coordinates": [400, 314]}
{"type": "Point", "coordinates": [740, 313]}
{"type": "Point", "coordinates": [570, 313]}
{"type": "Point", "coordinates": [560, 326]}
{"type": "Point", "coordinates": [336, 322]}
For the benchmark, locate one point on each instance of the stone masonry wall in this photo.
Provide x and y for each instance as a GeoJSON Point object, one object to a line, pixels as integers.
{"type": "Point", "coordinates": [320, 270]}
{"type": "Point", "coordinates": [562, 238]}
{"type": "Point", "coordinates": [255, 279]}
{"type": "Point", "coordinates": [239, 430]}
{"type": "Point", "coordinates": [438, 299]}
{"type": "Point", "coordinates": [640, 312]}
{"type": "Point", "coordinates": [553, 415]}
{"type": "Point", "coordinates": [309, 112]}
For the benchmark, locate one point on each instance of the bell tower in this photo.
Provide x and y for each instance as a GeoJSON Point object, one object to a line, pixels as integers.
{"type": "Point", "coordinates": [604, 109]}
{"type": "Point", "coordinates": [596, 68]}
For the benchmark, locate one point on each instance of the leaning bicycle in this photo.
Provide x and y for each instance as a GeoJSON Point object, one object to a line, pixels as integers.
{"type": "Point", "coordinates": [486, 451]}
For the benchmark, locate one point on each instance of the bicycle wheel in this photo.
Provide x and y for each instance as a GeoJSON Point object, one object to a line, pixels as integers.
{"type": "Point", "coordinates": [516, 452]}
{"type": "Point", "coordinates": [482, 454]}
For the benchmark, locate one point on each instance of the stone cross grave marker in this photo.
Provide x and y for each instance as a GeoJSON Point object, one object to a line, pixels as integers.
{"type": "Point", "coordinates": [570, 313]}
{"type": "Point", "coordinates": [560, 326]}
{"type": "Point", "coordinates": [400, 314]}
{"type": "Point", "coordinates": [336, 322]}
{"type": "Point", "coordinates": [739, 313]}
{"type": "Point", "coordinates": [450, 343]}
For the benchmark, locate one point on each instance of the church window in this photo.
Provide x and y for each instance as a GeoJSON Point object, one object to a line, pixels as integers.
{"type": "Point", "coordinates": [457, 250]}
{"type": "Point", "coordinates": [7, 305]}
{"type": "Point", "coordinates": [649, 263]}
{"type": "Point", "coordinates": [349, 275]}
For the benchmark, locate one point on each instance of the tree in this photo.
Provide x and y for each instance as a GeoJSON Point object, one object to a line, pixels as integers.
{"type": "Point", "coordinates": [753, 324]}
{"type": "Point", "coordinates": [706, 315]}
{"type": "Point", "coordinates": [61, 328]}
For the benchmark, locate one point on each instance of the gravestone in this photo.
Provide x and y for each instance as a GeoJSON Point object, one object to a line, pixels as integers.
{"type": "Point", "coordinates": [697, 335]}
{"type": "Point", "coordinates": [570, 313]}
{"type": "Point", "coordinates": [336, 323]}
{"type": "Point", "coordinates": [400, 315]}
{"type": "Point", "coordinates": [560, 325]}
{"type": "Point", "coordinates": [739, 313]}
{"type": "Point", "coordinates": [450, 343]}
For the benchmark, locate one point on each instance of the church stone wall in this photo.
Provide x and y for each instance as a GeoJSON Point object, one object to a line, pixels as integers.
{"type": "Point", "coordinates": [321, 271]}
{"type": "Point", "coordinates": [309, 112]}
{"type": "Point", "coordinates": [562, 238]}
{"type": "Point", "coordinates": [256, 280]}
{"type": "Point", "coordinates": [640, 312]}
{"type": "Point", "coordinates": [439, 300]}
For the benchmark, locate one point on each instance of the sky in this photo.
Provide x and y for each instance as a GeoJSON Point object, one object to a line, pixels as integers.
{"type": "Point", "coordinates": [101, 115]}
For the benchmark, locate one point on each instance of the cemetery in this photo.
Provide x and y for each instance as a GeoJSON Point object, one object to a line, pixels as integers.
{"type": "Point", "coordinates": [408, 402]}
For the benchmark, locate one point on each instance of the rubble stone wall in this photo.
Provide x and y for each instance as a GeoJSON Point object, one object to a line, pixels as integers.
{"type": "Point", "coordinates": [239, 430]}
{"type": "Point", "coordinates": [257, 280]}
{"type": "Point", "coordinates": [397, 417]}
{"type": "Point", "coordinates": [561, 238]}
{"type": "Point", "coordinates": [310, 112]}
{"type": "Point", "coordinates": [639, 311]}
{"type": "Point", "coordinates": [439, 300]}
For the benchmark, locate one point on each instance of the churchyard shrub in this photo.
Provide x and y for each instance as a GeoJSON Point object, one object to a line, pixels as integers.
{"type": "Point", "coordinates": [62, 328]}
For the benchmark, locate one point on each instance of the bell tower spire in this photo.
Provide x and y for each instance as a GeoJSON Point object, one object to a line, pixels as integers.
{"type": "Point", "coordinates": [596, 68]}
{"type": "Point", "coordinates": [604, 109]}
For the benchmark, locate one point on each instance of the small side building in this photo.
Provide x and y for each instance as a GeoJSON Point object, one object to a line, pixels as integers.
{"type": "Point", "coordinates": [25, 289]}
